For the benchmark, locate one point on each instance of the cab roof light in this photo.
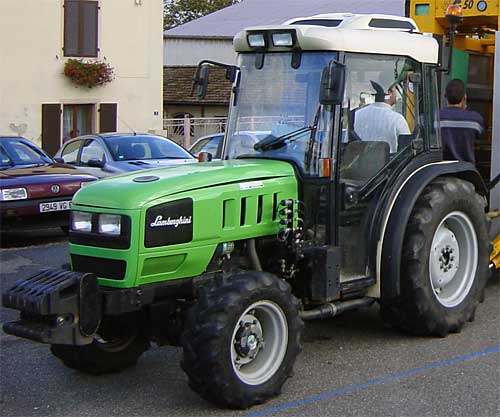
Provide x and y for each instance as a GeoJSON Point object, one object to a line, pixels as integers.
{"type": "Point", "coordinates": [283, 39]}
{"type": "Point", "coordinates": [454, 12]}
{"type": "Point", "coordinates": [257, 40]}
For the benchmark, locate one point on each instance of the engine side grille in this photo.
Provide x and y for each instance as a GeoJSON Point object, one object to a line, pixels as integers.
{"type": "Point", "coordinates": [249, 211]}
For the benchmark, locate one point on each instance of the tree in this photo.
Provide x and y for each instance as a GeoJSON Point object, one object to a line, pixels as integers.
{"type": "Point", "coordinates": [178, 12]}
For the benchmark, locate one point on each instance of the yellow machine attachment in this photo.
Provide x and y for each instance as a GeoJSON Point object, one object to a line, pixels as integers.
{"type": "Point", "coordinates": [495, 254]}
{"type": "Point", "coordinates": [476, 31]}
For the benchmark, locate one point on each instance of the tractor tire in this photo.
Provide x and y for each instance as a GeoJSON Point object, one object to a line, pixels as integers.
{"type": "Point", "coordinates": [117, 346]}
{"type": "Point", "coordinates": [241, 339]}
{"type": "Point", "coordinates": [444, 264]}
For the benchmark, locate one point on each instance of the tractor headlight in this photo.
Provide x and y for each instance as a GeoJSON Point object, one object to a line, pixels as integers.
{"type": "Point", "coordinates": [81, 221]}
{"type": "Point", "coordinates": [110, 224]}
{"type": "Point", "coordinates": [10, 194]}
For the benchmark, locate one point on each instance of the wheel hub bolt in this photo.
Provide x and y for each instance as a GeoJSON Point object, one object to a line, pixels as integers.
{"type": "Point", "coordinates": [252, 342]}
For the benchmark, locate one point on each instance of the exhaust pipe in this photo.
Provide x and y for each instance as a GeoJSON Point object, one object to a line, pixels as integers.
{"type": "Point", "coordinates": [330, 310]}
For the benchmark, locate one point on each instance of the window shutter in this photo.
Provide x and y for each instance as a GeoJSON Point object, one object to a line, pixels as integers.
{"type": "Point", "coordinates": [51, 128]}
{"type": "Point", "coordinates": [89, 28]}
{"type": "Point", "coordinates": [107, 117]}
{"type": "Point", "coordinates": [71, 28]}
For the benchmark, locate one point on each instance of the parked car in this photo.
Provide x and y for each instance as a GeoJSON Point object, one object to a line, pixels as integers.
{"type": "Point", "coordinates": [209, 143]}
{"type": "Point", "coordinates": [213, 143]}
{"type": "Point", "coordinates": [34, 189]}
{"type": "Point", "coordinates": [112, 153]}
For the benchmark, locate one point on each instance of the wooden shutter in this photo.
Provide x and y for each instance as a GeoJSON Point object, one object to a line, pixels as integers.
{"type": "Point", "coordinates": [51, 128]}
{"type": "Point", "coordinates": [71, 28]}
{"type": "Point", "coordinates": [88, 28]}
{"type": "Point", "coordinates": [107, 117]}
{"type": "Point", "coordinates": [80, 28]}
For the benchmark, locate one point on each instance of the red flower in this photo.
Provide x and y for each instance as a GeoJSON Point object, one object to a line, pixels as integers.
{"type": "Point", "coordinates": [89, 74]}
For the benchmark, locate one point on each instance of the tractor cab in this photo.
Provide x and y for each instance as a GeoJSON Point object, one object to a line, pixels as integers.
{"type": "Point", "coordinates": [341, 98]}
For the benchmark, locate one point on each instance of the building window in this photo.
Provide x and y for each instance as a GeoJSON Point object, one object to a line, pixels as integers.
{"type": "Point", "coordinates": [80, 28]}
{"type": "Point", "coordinates": [77, 120]}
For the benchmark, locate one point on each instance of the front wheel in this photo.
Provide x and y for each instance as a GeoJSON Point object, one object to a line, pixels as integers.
{"type": "Point", "coordinates": [241, 340]}
{"type": "Point", "coordinates": [444, 260]}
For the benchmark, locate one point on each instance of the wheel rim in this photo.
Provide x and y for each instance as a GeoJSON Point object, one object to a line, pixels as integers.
{"type": "Point", "coordinates": [453, 260]}
{"type": "Point", "coordinates": [259, 342]}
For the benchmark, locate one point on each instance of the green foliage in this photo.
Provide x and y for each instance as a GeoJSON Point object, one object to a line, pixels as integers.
{"type": "Point", "coordinates": [178, 12]}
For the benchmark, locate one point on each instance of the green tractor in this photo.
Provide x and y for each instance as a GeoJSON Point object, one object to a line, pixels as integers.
{"type": "Point", "coordinates": [301, 219]}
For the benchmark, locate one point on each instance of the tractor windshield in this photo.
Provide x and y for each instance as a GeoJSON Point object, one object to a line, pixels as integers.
{"type": "Point", "coordinates": [276, 112]}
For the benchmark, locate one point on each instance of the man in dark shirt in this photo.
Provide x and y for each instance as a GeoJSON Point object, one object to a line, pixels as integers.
{"type": "Point", "coordinates": [460, 127]}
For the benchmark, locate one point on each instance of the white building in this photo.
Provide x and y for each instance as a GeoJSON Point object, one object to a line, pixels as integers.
{"type": "Point", "coordinates": [38, 37]}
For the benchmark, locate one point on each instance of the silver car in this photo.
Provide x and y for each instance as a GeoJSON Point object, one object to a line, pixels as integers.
{"type": "Point", "coordinates": [111, 153]}
{"type": "Point", "coordinates": [210, 143]}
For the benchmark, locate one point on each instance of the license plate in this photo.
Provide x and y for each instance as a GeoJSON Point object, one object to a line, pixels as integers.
{"type": "Point", "coordinates": [55, 206]}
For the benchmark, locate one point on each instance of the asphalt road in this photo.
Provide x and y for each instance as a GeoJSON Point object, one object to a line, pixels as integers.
{"type": "Point", "coordinates": [350, 366]}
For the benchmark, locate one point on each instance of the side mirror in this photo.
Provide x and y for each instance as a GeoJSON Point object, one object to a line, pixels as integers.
{"type": "Point", "coordinates": [95, 163]}
{"type": "Point", "coordinates": [200, 82]}
{"type": "Point", "coordinates": [59, 160]}
{"type": "Point", "coordinates": [204, 157]}
{"type": "Point", "coordinates": [332, 84]}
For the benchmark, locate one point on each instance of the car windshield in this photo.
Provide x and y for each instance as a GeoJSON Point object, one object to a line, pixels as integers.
{"type": "Point", "coordinates": [127, 148]}
{"type": "Point", "coordinates": [277, 112]}
{"type": "Point", "coordinates": [210, 144]}
{"type": "Point", "coordinates": [14, 152]}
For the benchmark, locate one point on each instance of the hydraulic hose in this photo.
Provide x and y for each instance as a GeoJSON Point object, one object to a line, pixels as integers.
{"type": "Point", "coordinates": [253, 255]}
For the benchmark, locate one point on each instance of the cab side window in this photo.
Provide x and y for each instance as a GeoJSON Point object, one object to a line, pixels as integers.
{"type": "Point", "coordinates": [379, 113]}
{"type": "Point", "coordinates": [70, 152]}
{"type": "Point", "coordinates": [432, 107]}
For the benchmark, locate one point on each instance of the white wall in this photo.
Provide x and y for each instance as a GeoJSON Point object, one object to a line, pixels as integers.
{"type": "Point", "coordinates": [32, 61]}
{"type": "Point", "coordinates": [180, 51]}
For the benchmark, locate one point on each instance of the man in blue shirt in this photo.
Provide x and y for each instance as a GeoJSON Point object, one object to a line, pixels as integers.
{"type": "Point", "coordinates": [460, 127]}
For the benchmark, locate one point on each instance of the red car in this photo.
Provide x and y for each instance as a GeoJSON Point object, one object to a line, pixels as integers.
{"type": "Point", "coordinates": [35, 191]}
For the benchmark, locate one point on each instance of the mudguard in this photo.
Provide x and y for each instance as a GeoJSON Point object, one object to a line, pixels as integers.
{"type": "Point", "coordinates": [396, 213]}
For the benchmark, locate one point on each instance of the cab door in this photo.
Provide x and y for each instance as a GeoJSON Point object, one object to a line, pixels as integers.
{"type": "Point", "coordinates": [379, 122]}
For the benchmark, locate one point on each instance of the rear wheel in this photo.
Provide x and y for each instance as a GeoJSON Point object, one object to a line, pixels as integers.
{"type": "Point", "coordinates": [444, 260]}
{"type": "Point", "coordinates": [241, 340]}
{"type": "Point", "coordinates": [117, 346]}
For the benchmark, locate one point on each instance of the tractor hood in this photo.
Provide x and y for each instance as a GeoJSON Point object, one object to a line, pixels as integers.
{"type": "Point", "coordinates": [133, 190]}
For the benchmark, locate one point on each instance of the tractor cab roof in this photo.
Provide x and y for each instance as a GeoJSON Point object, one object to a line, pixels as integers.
{"type": "Point", "coordinates": [377, 34]}
{"type": "Point", "coordinates": [358, 21]}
